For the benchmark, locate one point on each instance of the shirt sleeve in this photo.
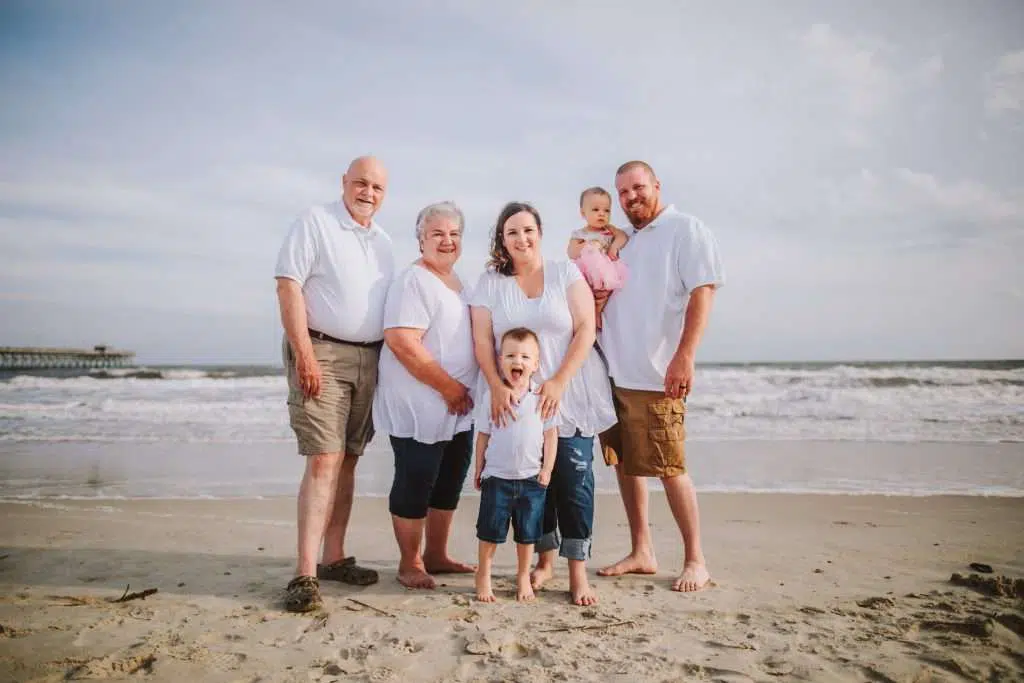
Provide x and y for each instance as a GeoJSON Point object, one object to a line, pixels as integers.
{"type": "Point", "coordinates": [553, 423]}
{"type": "Point", "coordinates": [699, 260]}
{"type": "Point", "coordinates": [406, 304]}
{"type": "Point", "coordinates": [483, 293]}
{"type": "Point", "coordinates": [298, 253]}
{"type": "Point", "coordinates": [482, 414]}
{"type": "Point", "coordinates": [570, 273]}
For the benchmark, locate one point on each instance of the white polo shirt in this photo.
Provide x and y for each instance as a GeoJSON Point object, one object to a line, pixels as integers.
{"type": "Point", "coordinates": [515, 451]}
{"type": "Point", "coordinates": [344, 269]}
{"type": "Point", "coordinates": [643, 321]}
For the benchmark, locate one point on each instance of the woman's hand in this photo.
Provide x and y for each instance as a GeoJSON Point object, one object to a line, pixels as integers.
{"type": "Point", "coordinates": [458, 399]}
{"type": "Point", "coordinates": [503, 403]}
{"type": "Point", "coordinates": [550, 398]}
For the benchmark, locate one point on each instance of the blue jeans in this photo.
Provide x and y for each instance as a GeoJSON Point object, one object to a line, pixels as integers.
{"type": "Point", "coordinates": [570, 501]}
{"type": "Point", "coordinates": [428, 475]}
{"type": "Point", "coordinates": [520, 501]}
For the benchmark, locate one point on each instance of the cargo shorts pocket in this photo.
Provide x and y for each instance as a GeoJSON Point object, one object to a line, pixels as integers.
{"type": "Point", "coordinates": [666, 420]}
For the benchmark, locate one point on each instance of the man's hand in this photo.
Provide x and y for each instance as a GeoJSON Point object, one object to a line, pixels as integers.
{"type": "Point", "coordinates": [613, 252]}
{"type": "Point", "coordinates": [477, 482]}
{"type": "Point", "coordinates": [458, 399]}
{"type": "Point", "coordinates": [679, 376]}
{"type": "Point", "coordinates": [308, 370]}
{"type": "Point", "coordinates": [544, 478]}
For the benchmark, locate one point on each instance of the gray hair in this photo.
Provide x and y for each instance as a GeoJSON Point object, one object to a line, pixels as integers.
{"type": "Point", "coordinates": [449, 210]}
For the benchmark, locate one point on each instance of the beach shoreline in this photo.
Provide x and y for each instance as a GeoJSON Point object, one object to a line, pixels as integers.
{"type": "Point", "coordinates": [793, 574]}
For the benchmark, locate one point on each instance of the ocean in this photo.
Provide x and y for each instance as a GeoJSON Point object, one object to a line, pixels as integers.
{"type": "Point", "coordinates": [918, 428]}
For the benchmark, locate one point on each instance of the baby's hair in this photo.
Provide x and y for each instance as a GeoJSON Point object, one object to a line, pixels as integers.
{"type": "Point", "coordinates": [594, 190]}
{"type": "Point", "coordinates": [520, 334]}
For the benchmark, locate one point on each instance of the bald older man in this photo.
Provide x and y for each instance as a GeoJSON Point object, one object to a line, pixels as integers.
{"type": "Point", "coordinates": [333, 273]}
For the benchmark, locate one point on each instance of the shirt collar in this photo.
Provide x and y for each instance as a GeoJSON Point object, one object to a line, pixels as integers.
{"type": "Point", "coordinates": [669, 210]}
{"type": "Point", "coordinates": [349, 223]}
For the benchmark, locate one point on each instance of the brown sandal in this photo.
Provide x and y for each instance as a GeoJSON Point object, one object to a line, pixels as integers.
{"type": "Point", "coordinates": [347, 571]}
{"type": "Point", "coordinates": [303, 595]}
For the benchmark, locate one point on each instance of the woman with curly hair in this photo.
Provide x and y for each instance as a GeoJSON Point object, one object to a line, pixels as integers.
{"type": "Point", "coordinates": [521, 289]}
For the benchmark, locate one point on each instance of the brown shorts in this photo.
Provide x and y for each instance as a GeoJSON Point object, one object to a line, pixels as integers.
{"type": "Point", "coordinates": [339, 420]}
{"type": "Point", "coordinates": [648, 439]}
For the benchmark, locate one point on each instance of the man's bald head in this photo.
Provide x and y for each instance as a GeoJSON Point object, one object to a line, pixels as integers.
{"type": "Point", "coordinates": [363, 188]}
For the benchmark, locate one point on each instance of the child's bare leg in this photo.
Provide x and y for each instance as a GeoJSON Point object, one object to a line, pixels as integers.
{"type": "Point", "coordinates": [524, 590]}
{"type": "Point", "coordinates": [483, 572]}
{"type": "Point", "coordinates": [582, 594]}
{"type": "Point", "coordinates": [600, 312]}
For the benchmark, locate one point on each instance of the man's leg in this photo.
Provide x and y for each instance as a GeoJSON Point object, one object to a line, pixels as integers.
{"type": "Point", "coordinates": [682, 499]}
{"type": "Point", "coordinates": [435, 556]}
{"type": "Point", "coordinates": [316, 499]}
{"type": "Point", "coordinates": [334, 535]}
{"type": "Point", "coordinates": [641, 558]}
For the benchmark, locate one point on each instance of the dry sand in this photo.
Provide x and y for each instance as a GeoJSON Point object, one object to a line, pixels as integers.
{"type": "Point", "coordinates": [819, 588]}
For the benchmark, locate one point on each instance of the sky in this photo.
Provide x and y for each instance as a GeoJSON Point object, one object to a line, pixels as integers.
{"type": "Point", "coordinates": [855, 161]}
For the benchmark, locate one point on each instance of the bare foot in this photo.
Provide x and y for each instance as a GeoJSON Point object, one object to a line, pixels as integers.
{"type": "Point", "coordinates": [483, 588]}
{"type": "Point", "coordinates": [446, 565]}
{"type": "Point", "coordinates": [415, 577]}
{"type": "Point", "coordinates": [634, 563]}
{"type": "Point", "coordinates": [524, 591]}
{"type": "Point", "coordinates": [695, 576]}
{"type": "Point", "coordinates": [540, 576]}
{"type": "Point", "coordinates": [582, 594]}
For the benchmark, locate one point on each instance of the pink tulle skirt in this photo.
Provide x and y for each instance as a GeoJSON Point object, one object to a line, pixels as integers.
{"type": "Point", "coordinates": [599, 270]}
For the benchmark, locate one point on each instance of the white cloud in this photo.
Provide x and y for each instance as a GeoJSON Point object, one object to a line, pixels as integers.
{"type": "Point", "coordinates": [866, 83]}
{"type": "Point", "coordinates": [1004, 85]}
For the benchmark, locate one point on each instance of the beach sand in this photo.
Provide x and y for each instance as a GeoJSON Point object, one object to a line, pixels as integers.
{"type": "Point", "coordinates": [819, 588]}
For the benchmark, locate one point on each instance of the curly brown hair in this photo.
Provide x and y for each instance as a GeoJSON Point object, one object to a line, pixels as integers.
{"type": "Point", "coordinates": [500, 260]}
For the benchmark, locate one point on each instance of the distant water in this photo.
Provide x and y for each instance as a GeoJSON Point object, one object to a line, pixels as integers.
{"type": "Point", "coordinates": [951, 401]}
{"type": "Point", "coordinates": [160, 409]}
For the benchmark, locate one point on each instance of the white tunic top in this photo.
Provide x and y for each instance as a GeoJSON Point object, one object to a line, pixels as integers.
{"type": "Point", "coordinates": [643, 321]}
{"type": "Point", "coordinates": [403, 406]}
{"type": "Point", "coordinates": [587, 402]}
{"type": "Point", "coordinates": [344, 269]}
{"type": "Point", "coordinates": [515, 451]}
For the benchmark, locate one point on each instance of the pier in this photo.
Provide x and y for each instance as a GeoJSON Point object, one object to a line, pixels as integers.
{"type": "Point", "coordinates": [31, 358]}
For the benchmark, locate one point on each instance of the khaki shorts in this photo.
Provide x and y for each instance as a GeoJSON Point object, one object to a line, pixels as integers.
{"type": "Point", "coordinates": [648, 439]}
{"type": "Point", "coordinates": [339, 419]}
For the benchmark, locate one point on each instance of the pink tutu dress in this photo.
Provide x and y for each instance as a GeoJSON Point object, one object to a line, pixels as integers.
{"type": "Point", "coordinates": [600, 271]}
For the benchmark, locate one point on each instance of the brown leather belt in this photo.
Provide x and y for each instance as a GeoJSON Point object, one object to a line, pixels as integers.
{"type": "Point", "coordinates": [326, 337]}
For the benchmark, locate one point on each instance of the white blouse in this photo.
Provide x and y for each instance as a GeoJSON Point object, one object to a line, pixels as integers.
{"type": "Point", "coordinates": [403, 406]}
{"type": "Point", "coordinates": [587, 402]}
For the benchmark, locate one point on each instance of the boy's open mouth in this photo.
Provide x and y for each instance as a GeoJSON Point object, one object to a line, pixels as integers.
{"type": "Point", "coordinates": [516, 373]}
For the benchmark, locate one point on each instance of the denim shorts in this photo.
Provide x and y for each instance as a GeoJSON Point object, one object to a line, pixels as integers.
{"type": "Point", "coordinates": [520, 501]}
{"type": "Point", "coordinates": [428, 475]}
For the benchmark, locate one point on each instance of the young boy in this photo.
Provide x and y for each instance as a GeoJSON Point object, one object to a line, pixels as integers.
{"type": "Point", "coordinates": [513, 466]}
{"type": "Point", "coordinates": [594, 248]}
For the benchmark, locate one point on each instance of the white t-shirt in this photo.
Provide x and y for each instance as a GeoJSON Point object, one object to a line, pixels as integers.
{"type": "Point", "coordinates": [403, 406]}
{"type": "Point", "coordinates": [643, 321]}
{"type": "Point", "coordinates": [344, 269]}
{"type": "Point", "coordinates": [587, 402]}
{"type": "Point", "coordinates": [515, 451]}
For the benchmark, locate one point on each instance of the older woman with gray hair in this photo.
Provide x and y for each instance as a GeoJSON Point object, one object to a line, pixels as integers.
{"type": "Point", "coordinates": [423, 399]}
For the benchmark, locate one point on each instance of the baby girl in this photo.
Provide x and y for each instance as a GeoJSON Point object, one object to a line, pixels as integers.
{"type": "Point", "coordinates": [595, 247]}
